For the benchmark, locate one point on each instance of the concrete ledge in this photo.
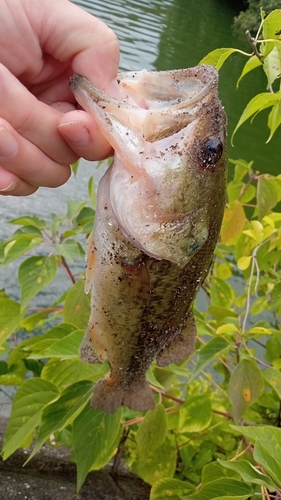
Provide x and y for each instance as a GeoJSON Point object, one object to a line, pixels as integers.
{"type": "Point", "coordinates": [50, 476]}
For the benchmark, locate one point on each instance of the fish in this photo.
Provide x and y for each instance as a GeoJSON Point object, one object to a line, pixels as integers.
{"type": "Point", "coordinates": [159, 211]}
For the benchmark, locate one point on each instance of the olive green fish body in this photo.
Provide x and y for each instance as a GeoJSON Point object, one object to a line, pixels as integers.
{"type": "Point", "coordinates": [159, 212]}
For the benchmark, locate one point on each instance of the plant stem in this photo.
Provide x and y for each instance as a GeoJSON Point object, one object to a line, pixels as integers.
{"type": "Point", "coordinates": [66, 269]}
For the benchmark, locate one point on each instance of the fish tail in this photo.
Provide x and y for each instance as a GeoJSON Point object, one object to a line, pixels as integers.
{"type": "Point", "coordinates": [109, 396]}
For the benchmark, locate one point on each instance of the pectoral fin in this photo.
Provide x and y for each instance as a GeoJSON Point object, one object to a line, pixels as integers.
{"type": "Point", "coordinates": [91, 260]}
{"type": "Point", "coordinates": [181, 347]}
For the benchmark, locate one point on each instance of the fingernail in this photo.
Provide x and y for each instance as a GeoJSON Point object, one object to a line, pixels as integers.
{"type": "Point", "coordinates": [75, 132]}
{"type": "Point", "coordinates": [8, 144]}
{"type": "Point", "coordinates": [8, 188]}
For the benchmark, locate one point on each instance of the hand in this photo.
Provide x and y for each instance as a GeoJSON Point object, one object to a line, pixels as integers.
{"type": "Point", "coordinates": [42, 43]}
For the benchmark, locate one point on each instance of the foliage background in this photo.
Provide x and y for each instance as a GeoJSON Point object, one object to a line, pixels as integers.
{"type": "Point", "coordinates": [215, 431]}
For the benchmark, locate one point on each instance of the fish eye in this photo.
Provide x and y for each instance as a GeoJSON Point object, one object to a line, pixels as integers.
{"type": "Point", "coordinates": [211, 151]}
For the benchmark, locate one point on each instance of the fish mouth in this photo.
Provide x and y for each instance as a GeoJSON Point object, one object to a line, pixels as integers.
{"type": "Point", "coordinates": [157, 104]}
{"type": "Point", "coordinates": [166, 129]}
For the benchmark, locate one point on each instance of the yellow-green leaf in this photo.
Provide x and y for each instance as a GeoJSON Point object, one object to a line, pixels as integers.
{"type": "Point", "coordinates": [244, 262]}
{"type": "Point", "coordinates": [35, 274]}
{"type": "Point", "coordinates": [32, 397]}
{"type": "Point", "coordinates": [152, 431]}
{"type": "Point", "coordinates": [267, 195]}
{"type": "Point", "coordinates": [255, 105]}
{"type": "Point", "coordinates": [77, 306]}
{"type": "Point", "coordinates": [195, 414]}
{"type": "Point", "coordinates": [245, 386]}
{"type": "Point", "coordinates": [251, 64]}
{"type": "Point", "coordinates": [160, 463]}
{"type": "Point", "coordinates": [226, 328]}
{"type": "Point", "coordinates": [218, 57]}
{"type": "Point", "coordinates": [172, 489]}
{"type": "Point", "coordinates": [273, 378]}
{"type": "Point", "coordinates": [96, 434]}
{"type": "Point", "coordinates": [233, 223]}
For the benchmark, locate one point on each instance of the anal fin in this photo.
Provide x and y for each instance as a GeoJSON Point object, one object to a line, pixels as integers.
{"type": "Point", "coordinates": [91, 350]}
{"type": "Point", "coordinates": [181, 346]}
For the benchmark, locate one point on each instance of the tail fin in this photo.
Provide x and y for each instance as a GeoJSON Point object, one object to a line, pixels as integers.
{"type": "Point", "coordinates": [109, 397]}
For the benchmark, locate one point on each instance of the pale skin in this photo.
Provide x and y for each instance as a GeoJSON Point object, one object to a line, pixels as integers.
{"type": "Point", "coordinates": [42, 43]}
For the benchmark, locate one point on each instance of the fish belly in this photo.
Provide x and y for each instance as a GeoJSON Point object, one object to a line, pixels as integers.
{"type": "Point", "coordinates": [140, 309]}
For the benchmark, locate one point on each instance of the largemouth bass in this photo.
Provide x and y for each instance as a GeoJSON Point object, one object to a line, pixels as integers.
{"type": "Point", "coordinates": [159, 211]}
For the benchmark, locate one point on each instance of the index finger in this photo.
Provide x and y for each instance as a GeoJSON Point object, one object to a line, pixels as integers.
{"type": "Point", "coordinates": [82, 39]}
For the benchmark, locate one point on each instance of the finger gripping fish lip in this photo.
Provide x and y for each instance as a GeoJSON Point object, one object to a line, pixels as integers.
{"type": "Point", "coordinates": [159, 211]}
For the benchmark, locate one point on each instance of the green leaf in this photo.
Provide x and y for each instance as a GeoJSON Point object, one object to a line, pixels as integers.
{"type": "Point", "coordinates": [74, 167]}
{"type": "Point", "coordinates": [10, 317]}
{"type": "Point", "coordinates": [171, 489]}
{"type": "Point", "coordinates": [195, 414]}
{"type": "Point", "coordinates": [30, 321]}
{"type": "Point", "coordinates": [153, 380]}
{"type": "Point", "coordinates": [273, 378]}
{"type": "Point", "coordinates": [221, 292]}
{"type": "Point", "coordinates": [74, 207]}
{"type": "Point", "coordinates": [211, 351]}
{"type": "Point", "coordinates": [65, 348]}
{"type": "Point", "coordinates": [267, 195]}
{"type": "Point", "coordinates": [272, 66]}
{"type": "Point", "coordinates": [257, 104]}
{"type": "Point", "coordinates": [249, 473]}
{"type": "Point", "coordinates": [70, 249]}
{"type": "Point", "coordinates": [19, 246]}
{"type": "Point", "coordinates": [213, 471]}
{"type": "Point", "coordinates": [85, 217]}
{"type": "Point", "coordinates": [29, 230]}
{"type": "Point", "coordinates": [65, 372]}
{"type": "Point", "coordinates": [77, 306]}
{"type": "Point", "coordinates": [95, 437]}
{"type": "Point", "coordinates": [218, 57]}
{"type": "Point", "coordinates": [42, 342]}
{"type": "Point", "coordinates": [233, 223]}
{"type": "Point", "coordinates": [245, 386]}
{"type": "Point", "coordinates": [62, 412]}
{"type": "Point", "coordinates": [268, 462]}
{"type": "Point", "coordinates": [267, 435]}
{"type": "Point", "coordinates": [251, 64]}
{"type": "Point", "coordinates": [223, 489]}
{"type": "Point", "coordinates": [271, 25]}
{"type": "Point", "coordinates": [220, 313]}
{"type": "Point", "coordinates": [240, 192]}
{"type": "Point", "coordinates": [157, 464]}
{"type": "Point", "coordinates": [35, 274]}
{"type": "Point", "coordinates": [29, 220]}
{"type": "Point", "coordinates": [31, 398]}
{"type": "Point", "coordinates": [152, 430]}
{"type": "Point", "coordinates": [91, 191]}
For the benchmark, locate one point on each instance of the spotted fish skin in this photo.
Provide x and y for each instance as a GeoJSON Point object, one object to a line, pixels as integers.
{"type": "Point", "coordinates": [159, 212]}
